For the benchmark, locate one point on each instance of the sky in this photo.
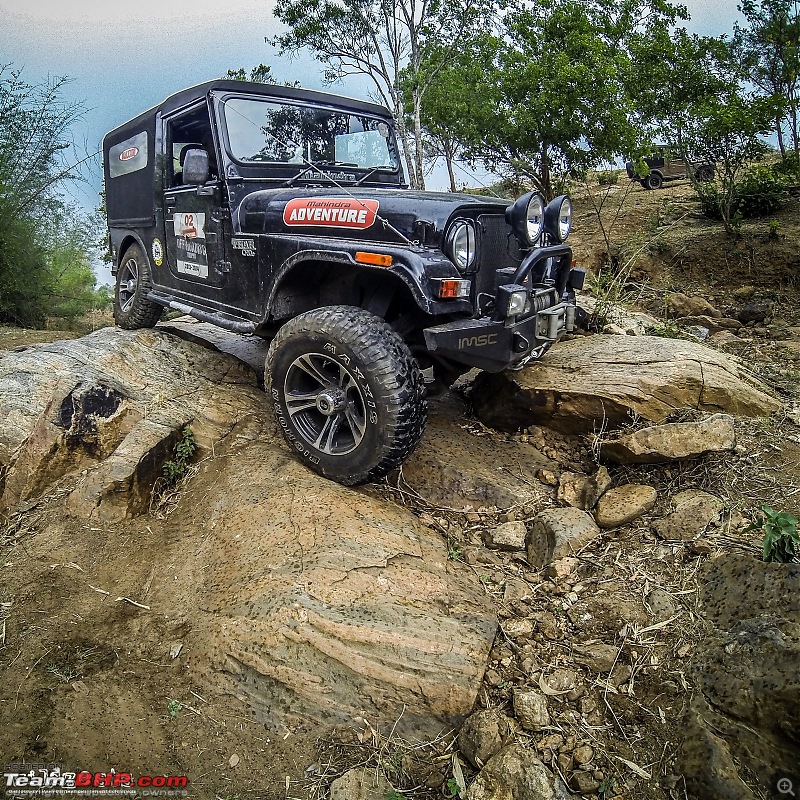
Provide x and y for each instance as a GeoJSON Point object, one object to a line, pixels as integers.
{"type": "Point", "coordinates": [123, 58]}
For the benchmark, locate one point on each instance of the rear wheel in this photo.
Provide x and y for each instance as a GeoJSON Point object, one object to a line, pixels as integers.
{"type": "Point", "coordinates": [348, 395]}
{"type": "Point", "coordinates": [654, 181]}
{"type": "Point", "coordinates": [132, 309]}
{"type": "Point", "coordinates": [704, 174]}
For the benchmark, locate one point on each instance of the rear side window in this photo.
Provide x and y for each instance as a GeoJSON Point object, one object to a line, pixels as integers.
{"type": "Point", "coordinates": [128, 156]}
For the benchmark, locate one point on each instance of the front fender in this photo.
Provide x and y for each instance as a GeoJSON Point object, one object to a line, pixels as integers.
{"type": "Point", "coordinates": [416, 268]}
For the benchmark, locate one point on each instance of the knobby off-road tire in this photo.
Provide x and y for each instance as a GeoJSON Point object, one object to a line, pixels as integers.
{"type": "Point", "coordinates": [347, 393]}
{"type": "Point", "coordinates": [132, 309]}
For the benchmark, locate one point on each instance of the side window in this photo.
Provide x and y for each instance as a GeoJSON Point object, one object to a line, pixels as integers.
{"type": "Point", "coordinates": [191, 130]}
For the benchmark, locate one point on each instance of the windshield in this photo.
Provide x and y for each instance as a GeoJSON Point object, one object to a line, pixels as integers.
{"type": "Point", "coordinates": [261, 131]}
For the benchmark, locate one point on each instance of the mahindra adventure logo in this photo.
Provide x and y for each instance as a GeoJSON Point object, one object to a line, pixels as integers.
{"type": "Point", "coordinates": [331, 212]}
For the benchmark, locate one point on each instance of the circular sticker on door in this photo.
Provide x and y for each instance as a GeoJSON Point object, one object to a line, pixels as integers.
{"type": "Point", "coordinates": [158, 252]}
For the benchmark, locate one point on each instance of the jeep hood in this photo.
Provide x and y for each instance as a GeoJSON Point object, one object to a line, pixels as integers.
{"type": "Point", "coordinates": [358, 212]}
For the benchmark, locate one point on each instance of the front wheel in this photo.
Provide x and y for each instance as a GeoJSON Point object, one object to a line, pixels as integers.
{"type": "Point", "coordinates": [347, 393]}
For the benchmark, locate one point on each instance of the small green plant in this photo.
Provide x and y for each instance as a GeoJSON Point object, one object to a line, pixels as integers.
{"type": "Point", "coordinates": [174, 708]}
{"type": "Point", "coordinates": [608, 289]}
{"type": "Point", "coordinates": [452, 788]}
{"type": "Point", "coordinates": [774, 229]}
{"type": "Point", "coordinates": [454, 552]}
{"type": "Point", "coordinates": [395, 795]}
{"type": "Point", "coordinates": [781, 539]}
{"type": "Point", "coordinates": [176, 467]}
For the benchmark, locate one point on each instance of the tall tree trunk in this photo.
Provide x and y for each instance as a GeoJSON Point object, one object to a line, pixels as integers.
{"type": "Point", "coordinates": [400, 122]}
{"type": "Point", "coordinates": [779, 131]}
{"type": "Point", "coordinates": [418, 142]}
{"type": "Point", "coordinates": [546, 185]}
{"type": "Point", "coordinates": [447, 146]}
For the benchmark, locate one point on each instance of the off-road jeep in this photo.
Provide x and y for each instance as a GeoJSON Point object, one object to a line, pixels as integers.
{"type": "Point", "coordinates": [283, 213]}
{"type": "Point", "coordinates": [665, 164]}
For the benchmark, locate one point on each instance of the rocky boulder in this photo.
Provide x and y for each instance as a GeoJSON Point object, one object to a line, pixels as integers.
{"type": "Point", "coordinates": [482, 735]}
{"type": "Point", "coordinates": [672, 442]}
{"type": "Point", "coordinates": [757, 311]}
{"type": "Point", "coordinates": [625, 504]}
{"type": "Point", "coordinates": [694, 512]}
{"type": "Point", "coordinates": [744, 718]}
{"type": "Point", "coordinates": [597, 382]}
{"type": "Point", "coordinates": [111, 404]}
{"type": "Point", "coordinates": [681, 305]}
{"type": "Point", "coordinates": [312, 603]}
{"type": "Point", "coordinates": [515, 773]}
{"type": "Point", "coordinates": [583, 491]}
{"type": "Point", "coordinates": [557, 533]}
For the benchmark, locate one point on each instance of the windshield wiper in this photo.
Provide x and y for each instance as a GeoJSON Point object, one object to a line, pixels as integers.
{"type": "Point", "coordinates": [372, 171]}
{"type": "Point", "coordinates": [317, 166]}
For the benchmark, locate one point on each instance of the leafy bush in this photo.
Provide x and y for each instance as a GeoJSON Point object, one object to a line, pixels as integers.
{"type": "Point", "coordinates": [608, 178]}
{"type": "Point", "coordinates": [789, 166]}
{"type": "Point", "coordinates": [761, 192]}
{"type": "Point", "coordinates": [45, 245]}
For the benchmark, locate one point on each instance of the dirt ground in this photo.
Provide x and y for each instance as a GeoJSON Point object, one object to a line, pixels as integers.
{"type": "Point", "coordinates": [91, 680]}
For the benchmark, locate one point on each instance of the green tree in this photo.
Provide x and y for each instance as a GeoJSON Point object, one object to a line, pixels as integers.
{"type": "Point", "coordinates": [547, 90]}
{"type": "Point", "coordinates": [767, 51]}
{"type": "Point", "coordinates": [386, 41]}
{"type": "Point", "coordinates": [45, 247]}
{"type": "Point", "coordinates": [727, 130]}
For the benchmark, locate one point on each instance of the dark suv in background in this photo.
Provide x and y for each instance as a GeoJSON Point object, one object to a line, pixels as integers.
{"type": "Point", "coordinates": [666, 164]}
{"type": "Point", "coordinates": [284, 213]}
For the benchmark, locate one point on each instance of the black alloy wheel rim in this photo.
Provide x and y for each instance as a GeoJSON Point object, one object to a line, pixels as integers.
{"type": "Point", "coordinates": [325, 404]}
{"type": "Point", "coordinates": [128, 282]}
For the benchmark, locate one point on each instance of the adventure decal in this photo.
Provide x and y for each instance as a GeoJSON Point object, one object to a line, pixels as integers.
{"type": "Point", "coordinates": [331, 212]}
{"type": "Point", "coordinates": [191, 256]}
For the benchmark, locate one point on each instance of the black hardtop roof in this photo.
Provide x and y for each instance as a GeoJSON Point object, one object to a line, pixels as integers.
{"type": "Point", "coordinates": [194, 93]}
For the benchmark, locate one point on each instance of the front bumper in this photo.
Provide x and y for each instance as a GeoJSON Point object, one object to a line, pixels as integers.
{"type": "Point", "coordinates": [495, 345]}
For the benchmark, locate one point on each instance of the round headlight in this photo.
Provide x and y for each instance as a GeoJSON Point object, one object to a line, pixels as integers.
{"type": "Point", "coordinates": [534, 218]}
{"type": "Point", "coordinates": [558, 218]}
{"type": "Point", "coordinates": [461, 244]}
{"type": "Point", "coordinates": [526, 217]}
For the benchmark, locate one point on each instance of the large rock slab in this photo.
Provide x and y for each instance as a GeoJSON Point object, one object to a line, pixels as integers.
{"type": "Point", "coordinates": [744, 718]}
{"type": "Point", "coordinates": [673, 442]}
{"type": "Point", "coordinates": [311, 602]}
{"type": "Point", "coordinates": [112, 404]}
{"type": "Point", "coordinates": [597, 382]}
{"type": "Point", "coordinates": [323, 604]}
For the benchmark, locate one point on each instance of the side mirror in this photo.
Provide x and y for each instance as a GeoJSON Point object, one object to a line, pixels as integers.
{"type": "Point", "coordinates": [195, 168]}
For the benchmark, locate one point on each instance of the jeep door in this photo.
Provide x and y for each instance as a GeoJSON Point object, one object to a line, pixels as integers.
{"type": "Point", "coordinates": [195, 217]}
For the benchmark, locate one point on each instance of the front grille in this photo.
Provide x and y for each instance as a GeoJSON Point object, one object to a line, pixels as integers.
{"type": "Point", "coordinates": [497, 248]}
